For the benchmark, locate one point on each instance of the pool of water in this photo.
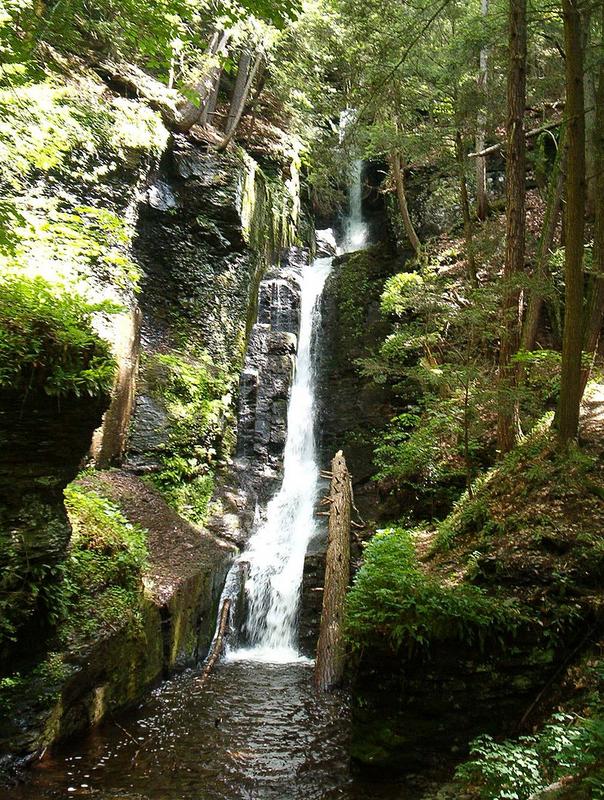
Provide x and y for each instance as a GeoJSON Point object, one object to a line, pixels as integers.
{"type": "Point", "coordinates": [255, 730]}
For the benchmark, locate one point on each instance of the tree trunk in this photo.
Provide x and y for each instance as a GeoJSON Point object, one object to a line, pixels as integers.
{"type": "Point", "coordinates": [465, 207]}
{"type": "Point", "coordinates": [190, 113]}
{"type": "Point", "coordinates": [482, 197]}
{"type": "Point", "coordinates": [238, 105]}
{"type": "Point", "coordinates": [397, 172]}
{"type": "Point", "coordinates": [243, 72]}
{"type": "Point", "coordinates": [218, 645]}
{"type": "Point", "coordinates": [210, 106]}
{"type": "Point", "coordinates": [507, 421]}
{"type": "Point", "coordinates": [572, 339]}
{"type": "Point", "coordinates": [544, 248]}
{"type": "Point", "coordinates": [591, 132]}
{"type": "Point", "coordinates": [595, 295]}
{"type": "Point", "coordinates": [329, 668]}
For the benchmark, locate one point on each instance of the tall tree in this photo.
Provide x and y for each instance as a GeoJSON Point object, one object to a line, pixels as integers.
{"type": "Point", "coordinates": [399, 182]}
{"type": "Point", "coordinates": [515, 221]}
{"type": "Point", "coordinates": [572, 341]}
{"type": "Point", "coordinates": [595, 296]}
{"type": "Point", "coordinates": [482, 197]}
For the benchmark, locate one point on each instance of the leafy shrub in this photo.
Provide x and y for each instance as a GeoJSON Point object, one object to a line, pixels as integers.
{"type": "Point", "coordinates": [516, 769]}
{"type": "Point", "coordinates": [47, 340]}
{"type": "Point", "coordinates": [196, 395]}
{"type": "Point", "coordinates": [391, 597]}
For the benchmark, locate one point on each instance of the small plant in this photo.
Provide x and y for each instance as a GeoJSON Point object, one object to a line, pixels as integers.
{"type": "Point", "coordinates": [102, 576]}
{"type": "Point", "coordinates": [516, 769]}
{"type": "Point", "coordinates": [196, 396]}
{"type": "Point", "coordinates": [47, 340]}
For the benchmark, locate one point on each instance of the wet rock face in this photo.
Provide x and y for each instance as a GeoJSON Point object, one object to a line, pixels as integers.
{"type": "Point", "coordinates": [353, 408]}
{"type": "Point", "coordinates": [264, 389]}
{"type": "Point", "coordinates": [269, 365]}
{"type": "Point", "coordinates": [207, 229]}
{"type": "Point", "coordinates": [42, 443]}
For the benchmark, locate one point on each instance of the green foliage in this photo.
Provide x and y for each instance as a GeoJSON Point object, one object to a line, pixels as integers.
{"type": "Point", "coordinates": [516, 769]}
{"type": "Point", "coordinates": [50, 126]}
{"type": "Point", "coordinates": [393, 598]}
{"type": "Point", "coordinates": [47, 340]}
{"type": "Point", "coordinates": [97, 590]}
{"type": "Point", "coordinates": [196, 395]}
{"type": "Point", "coordinates": [536, 469]}
{"type": "Point", "coordinates": [71, 137]}
{"type": "Point", "coordinates": [102, 575]}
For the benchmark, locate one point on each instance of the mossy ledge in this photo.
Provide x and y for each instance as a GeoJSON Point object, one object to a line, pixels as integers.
{"type": "Point", "coordinates": [138, 599]}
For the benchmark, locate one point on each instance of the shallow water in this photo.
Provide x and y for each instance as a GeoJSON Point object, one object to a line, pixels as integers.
{"type": "Point", "coordinates": [253, 731]}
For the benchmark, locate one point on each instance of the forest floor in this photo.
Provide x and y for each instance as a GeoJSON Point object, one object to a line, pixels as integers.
{"type": "Point", "coordinates": [592, 416]}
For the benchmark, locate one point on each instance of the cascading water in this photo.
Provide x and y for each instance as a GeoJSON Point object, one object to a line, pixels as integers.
{"type": "Point", "coordinates": [355, 230]}
{"type": "Point", "coordinates": [257, 729]}
{"type": "Point", "coordinates": [276, 551]}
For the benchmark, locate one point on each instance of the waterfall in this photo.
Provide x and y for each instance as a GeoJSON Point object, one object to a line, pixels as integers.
{"type": "Point", "coordinates": [276, 551]}
{"type": "Point", "coordinates": [274, 558]}
{"type": "Point", "coordinates": [355, 230]}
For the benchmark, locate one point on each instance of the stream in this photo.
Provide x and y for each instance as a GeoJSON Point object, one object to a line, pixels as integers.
{"type": "Point", "coordinates": [255, 730]}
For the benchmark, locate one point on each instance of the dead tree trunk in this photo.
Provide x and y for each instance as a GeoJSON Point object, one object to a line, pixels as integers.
{"type": "Point", "coordinates": [238, 105]}
{"type": "Point", "coordinates": [190, 113]}
{"type": "Point", "coordinates": [210, 106]}
{"type": "Point", "coordinates": [329, 669]}
{"type": "Point", "coordinates": [243, 71]}
{"type": "Point", "coordinates": [218, 645]}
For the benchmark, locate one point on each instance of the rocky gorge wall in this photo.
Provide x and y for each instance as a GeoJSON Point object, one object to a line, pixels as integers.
{"type": "Point", "coordinates": [190, 234]}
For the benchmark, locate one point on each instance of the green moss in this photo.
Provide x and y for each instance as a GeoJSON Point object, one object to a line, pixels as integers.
{"type": "Point", "coordinates": [98, 591]}
{"type": "Point", "coordinates": [47, 340]}
{"type": "Point", "coordinates": [391, 597]}
{"type": "Point", "coordinates": [102, 575]}
{"type": "Point", "coordinates": [196, 395]}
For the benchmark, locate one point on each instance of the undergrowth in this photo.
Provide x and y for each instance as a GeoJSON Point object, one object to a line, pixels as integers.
{"type": "Point", "coordinates": [569, 746]}
{"type": "Point", "coordinates": [196, 396]}
{"type": "Point", "coordinates": [47, 340]}
{"type": "Point", "coordinates": [393, 598]}
{"type": "Point", "coordinates": [99, 591]}
{"type": "Point", "coordinates": [535, 465]}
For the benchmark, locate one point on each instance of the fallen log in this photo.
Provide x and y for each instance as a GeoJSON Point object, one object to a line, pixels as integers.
{"type": "Point", "coordinates": [329, 666]}
{"type": "Point", "coordinates": [218, 645]}
{"type": "Point", "coordinates": [528, 135]}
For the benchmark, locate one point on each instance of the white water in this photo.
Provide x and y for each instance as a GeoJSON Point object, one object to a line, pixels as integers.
{"type": "Point", "coordinates": [276, 550]}
{"type": "Point", "coordinates": [355, 230]}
